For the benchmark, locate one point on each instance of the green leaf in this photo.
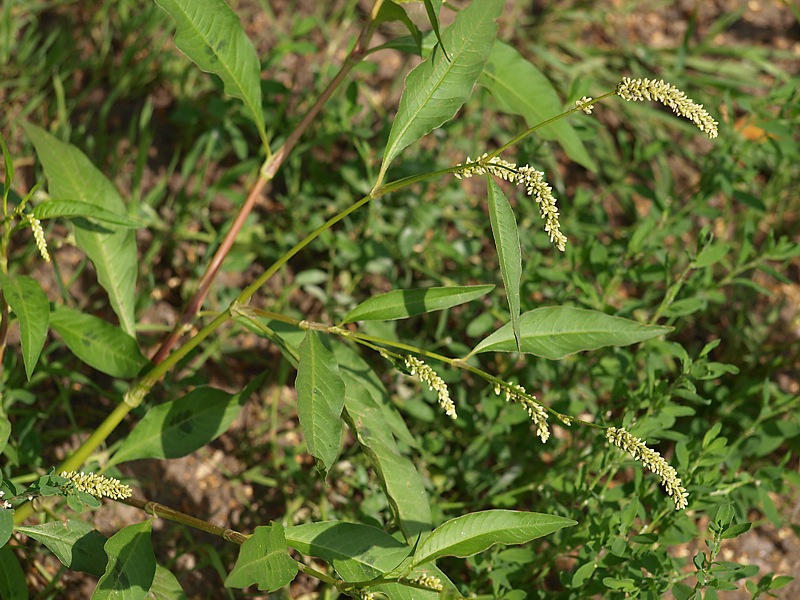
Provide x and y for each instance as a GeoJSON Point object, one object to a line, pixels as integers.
{"type": "Point", "coordinates": [438, 87]}
{"type": "Point", "coordinates": [210, 34]}
{"type": "Point", "coordinates": [6, 525]}
{"type": "Point", "coordinates": [179, 427]}
{"type": "Point", "coordinates": [131, 565]}
{"type": "Point", "coordinates": [320, 398]}
{"type": "Point", "coordinates": [264, 560]}
{"type": "Point", "coordinates": [29, 302]}
{"type": "Point", "coordinates": [166, 586]}
{"type": "Point", "coordinates": [113, 254]}
{"type": "Point", "coordinates": [401, 304]}
{"type": "Point", "coordinates": [356, 372]}
{"type": "Point", "coordinates": [521, 89]}
{"type": "Point", "coordinates": [390, 11]}
{"type": "Point", "coordinates": [98, 343]}
{"type": "Point", "coordinates": [509, 254]}
{"type": "Point", "coordinates": [12, 578]}
{"type": "Point", "coordinates": [376, 423]}
{"type": "Point", "coordinates": [76, 208]}
{"type": "Point", "coordinates": [555, 331]}
{"type": "Point", "coordinates": [358, 552]}
{"type": "Point", "coordinates": [475, 532]}
{"type": "Point", "coordinates": [75, 543]}
{"type": "Point", "coordinates": [396, 473]}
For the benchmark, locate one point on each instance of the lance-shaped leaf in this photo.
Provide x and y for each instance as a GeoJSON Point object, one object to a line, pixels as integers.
{"type": "Point", "coordinates": [71, 209]}
{"type": "Point", "coordinates": [475, 532]}
{"type": "Point", "coordinates": [210, 34]}
{"type": "Point", "coordinates": [320, 398]}
{"type": "Point", "coordinates": [556, 331]}
{"type": "Point", "coordinates": [29, 302]}
{"type": "Point", "coordinates": [131, 564]}
{"type": "Point", "coordinates": [263, 560]}
{"type": "Point", "coordinates": [401, 304]}
{"type": "Point", "coordinates": [509, 254]}
{"type": "Point", "coordinates": [521, 89]}
{"type": "Point", "coordinates": [179, 427]}
{"type": "Point", "coordinates": [98, 343]}
{"type": "Point", "coordinates": [437, 88]}
{"type": "Point", "coordinates": [76, 544]}
{"type": "Point", "coordinates": [113, 253]}
{"type": "Point", "coordinates": [358, 552]}
{"type": "Point", "coordinates": [376, 423]}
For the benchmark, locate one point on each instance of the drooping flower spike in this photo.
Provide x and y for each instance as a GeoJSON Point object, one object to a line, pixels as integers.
{"type": "Point", "coordinates": [535, 185]}
{"type": "Point", "coordinates": [653, 461]}
{"type": "Point", "coordinates": [536, 412]}
{"type": "Point", "coordinates": [640, 90]}
{"type": "Point", "coordinates": [430, 378]}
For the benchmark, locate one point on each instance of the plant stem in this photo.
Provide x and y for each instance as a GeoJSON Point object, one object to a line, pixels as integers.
{"type": "Point", "coordinates": [159, 510]}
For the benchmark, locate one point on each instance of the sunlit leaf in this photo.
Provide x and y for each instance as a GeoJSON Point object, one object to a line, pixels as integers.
{"type": "Point", "coordinates": [437, 88]}
{"type": "Point", "coordinates": [556, 331]}
{"type": "Point", "coordinates": [509, 254]}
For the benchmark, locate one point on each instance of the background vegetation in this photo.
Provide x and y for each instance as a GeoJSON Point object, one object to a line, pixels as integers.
{"type": "Point", "coordinates": [668, 227]}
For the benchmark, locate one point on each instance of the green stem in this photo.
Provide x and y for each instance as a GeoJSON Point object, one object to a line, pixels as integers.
{"type": "Point", "coordinates": [526, 133]}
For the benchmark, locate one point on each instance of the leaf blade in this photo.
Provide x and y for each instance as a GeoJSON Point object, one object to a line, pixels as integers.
{"type": "Point", "coordinates": [76, 208]}
{"type": "Point", "coordinates": [263, 560]}
{"type": "Point", "coordinates": [98, 343]}
{"type": "Point", "coordinates": [29, 302]}
{"type": "Point", "coordinates": [76, 544]}
{"type": "Point", "coordinates": [211, 35]}
{"type": "Point", "coordinates": [509, 253]}
{"type": "Point", "coordinates": [554, 332]}
{"type": "Point", "coordinates": [358, 552]}
{"type": "Point", "coordinates": [438, 87]}
{"type": "Point", "coordinates": [178, 427]}
{"type": "Point", "coordinates": [475, 532]}
{"type": "Point", "coordinates": [320, 399]}
{"type": "Point", "coordinates": [401, 304]}
{"type": "Point", "coordinates": [131, 566]}
{"type": "Point", "coordinates": [114, 255]}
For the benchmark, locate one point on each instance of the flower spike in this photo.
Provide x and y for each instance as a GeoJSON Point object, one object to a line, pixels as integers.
{"type": "Point", "coordinates": [535, 185]}
{"type": "Point", "coordinates": [538, 415]}
{"type": "Point", "coordinates": [98, 485]}
{"type": "Point", "coordinates": [653, 461]}
{"type": "Point", "coordinates": [429, 377]}
{"type": "Point", "coordinates": [640, 90]}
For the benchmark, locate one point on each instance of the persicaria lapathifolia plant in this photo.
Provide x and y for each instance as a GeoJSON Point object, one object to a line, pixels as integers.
{"type": "Point", "coordinates": [336, 386]}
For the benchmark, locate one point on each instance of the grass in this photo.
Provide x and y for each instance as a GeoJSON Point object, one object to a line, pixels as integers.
{"type": "Point", "coordinates": [700, 236]}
